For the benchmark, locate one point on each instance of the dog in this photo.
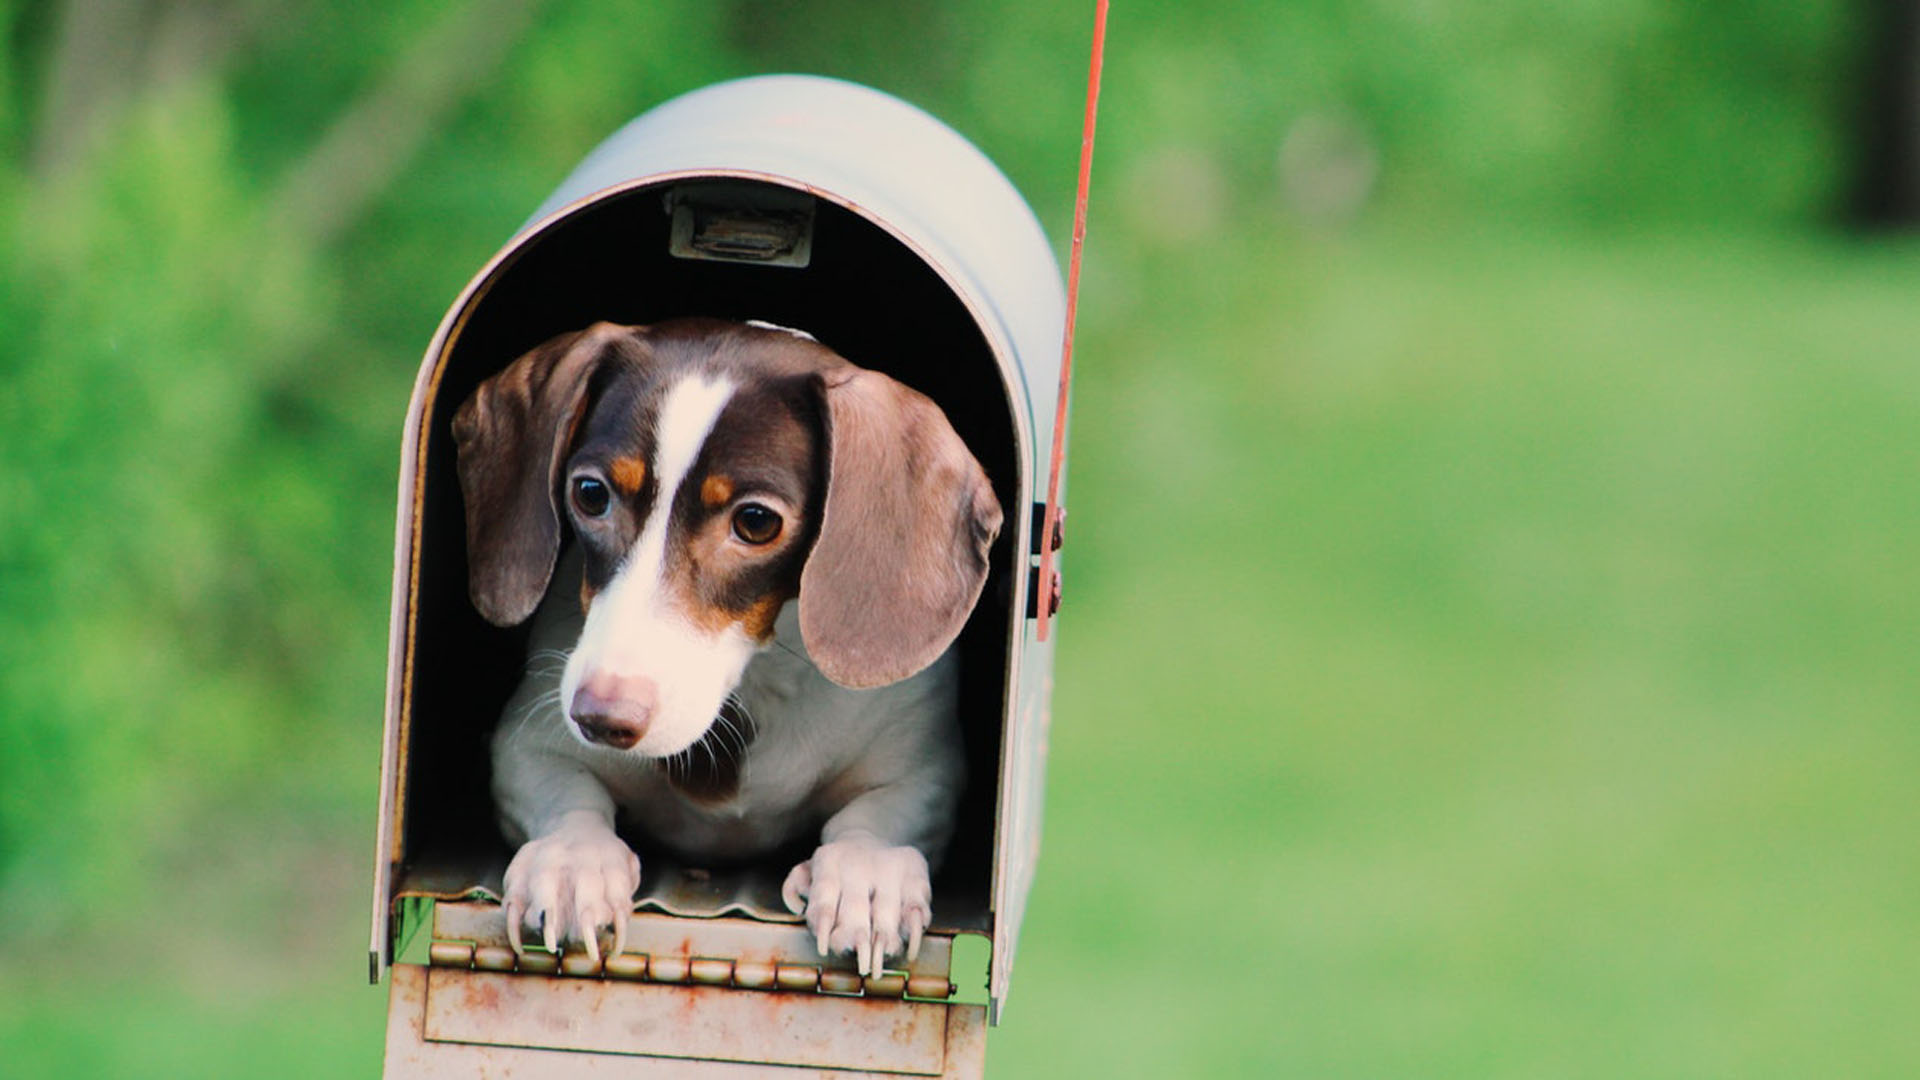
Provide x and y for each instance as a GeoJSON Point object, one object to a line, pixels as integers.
{"type": "Point", "coordinates": [749, 643]}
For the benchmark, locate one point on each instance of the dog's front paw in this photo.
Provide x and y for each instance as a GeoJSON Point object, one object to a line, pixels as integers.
{"type": "Point", "coordinates": [570, 883]}
{"type": "Point", "coordinates": [863, 895]}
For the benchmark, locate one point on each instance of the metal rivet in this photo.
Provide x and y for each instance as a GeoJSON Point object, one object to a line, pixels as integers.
{"type": "Point", "coordinates": [929, 986]}
{"type": "Point", "coordinates": [711, 972]}
{"type": "Point", "coordinates": [493, 958]}
{"type": "Point", "coordinates": [579, 964]}
{"type": "Point", "coordinates": [841, 982]}
{"type": "Point", "coordinates": [450, 954]}
{"type": "Point", "coordinates": [753, 976]}
{"type": "Point", "coordinates": [627, 966]}
{"type": "Point", "coordinates": [796, 977]}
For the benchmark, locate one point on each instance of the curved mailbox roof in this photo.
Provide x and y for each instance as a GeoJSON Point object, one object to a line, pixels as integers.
{"type": "Point", "coordinates": [892, 163]}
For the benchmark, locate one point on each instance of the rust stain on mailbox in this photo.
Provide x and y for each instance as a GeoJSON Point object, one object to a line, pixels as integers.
{"type": "Point", "coordinates": [414, 1051]}
{"type": "Point", "coordinates": [809, 203]}
{"type": "Point", "coordinates": [697, 1022]}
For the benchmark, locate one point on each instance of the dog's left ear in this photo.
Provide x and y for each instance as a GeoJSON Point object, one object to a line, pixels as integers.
{"type": "Point", "coordinates": [901, 554]}
{"type": "Point", "coordinates": [512, 438]}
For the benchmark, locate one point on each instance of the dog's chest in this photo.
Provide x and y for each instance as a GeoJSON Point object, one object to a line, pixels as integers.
{"type": "Point", "coordinates": [806, 733]}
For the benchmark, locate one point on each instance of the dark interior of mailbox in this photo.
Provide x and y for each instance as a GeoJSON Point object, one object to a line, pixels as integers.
{"type": "Point", "coordinates": [864, 294]}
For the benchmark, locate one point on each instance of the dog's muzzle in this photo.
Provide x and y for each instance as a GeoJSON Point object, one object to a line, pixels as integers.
{"type": "Point", "coordinates": [614, 710]}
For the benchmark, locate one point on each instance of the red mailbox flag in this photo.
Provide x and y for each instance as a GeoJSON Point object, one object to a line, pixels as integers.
{"type": "Point", "coordinates": [1048, 591]}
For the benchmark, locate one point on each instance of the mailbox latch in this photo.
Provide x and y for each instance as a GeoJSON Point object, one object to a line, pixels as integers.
{"type": "Point", "coordinates": [732, 222]}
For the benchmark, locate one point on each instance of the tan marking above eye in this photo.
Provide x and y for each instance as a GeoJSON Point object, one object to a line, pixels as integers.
{"type": "Point", "coordinates": [628, 474]}
{"type": "Point", "coordinates": [717, 491]}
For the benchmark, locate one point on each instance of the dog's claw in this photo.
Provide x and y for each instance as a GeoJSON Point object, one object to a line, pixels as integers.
{"type": "Point", "coordinates": [823, 900]}
{"type": "Point", "coordinates": [862, 897]}
{"type": "Point", "coordinates": [569, 884]}
{"type": "Point", "coordinates": [794, 890]}
{"type": "Point", "coordinates": [888, 927]}
{"type": "Point", "coordinates": [916, 926]}
{"type": "Point", "coordinates": [514, 910]}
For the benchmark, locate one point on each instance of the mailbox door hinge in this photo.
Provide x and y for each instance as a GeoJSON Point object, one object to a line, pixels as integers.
{"type": "Point", "coordinates": [697, 970]}
{"type": "Point", "coordinates": [1048, 591]}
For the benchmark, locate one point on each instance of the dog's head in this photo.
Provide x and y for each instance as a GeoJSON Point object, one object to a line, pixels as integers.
{"type": "Point", "coordinates": [711, 472]}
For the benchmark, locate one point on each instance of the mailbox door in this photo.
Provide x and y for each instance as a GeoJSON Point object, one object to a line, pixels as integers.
{"type": "Point", "coordinates": [717, 997]}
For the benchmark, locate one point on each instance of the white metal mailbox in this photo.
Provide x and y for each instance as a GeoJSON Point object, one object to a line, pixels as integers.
{"type": "Point", "coordinates": [809, 203]}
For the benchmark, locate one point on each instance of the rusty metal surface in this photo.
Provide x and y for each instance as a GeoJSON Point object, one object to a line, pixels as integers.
{"type": "Point", "coordinates": [698, 1022]}
{"type": "Point", "coordinates": [966, 1042]}
{"type": "Point", "coordinates": [411, 1056]}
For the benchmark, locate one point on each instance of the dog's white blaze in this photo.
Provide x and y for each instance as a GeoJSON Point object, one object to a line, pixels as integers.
{"type": "Point", "coordinates": [631, 628]}
{"type": "Point", "coordinates": [688, 411]}
{"type": "Point", "coordinates": [762, 324]}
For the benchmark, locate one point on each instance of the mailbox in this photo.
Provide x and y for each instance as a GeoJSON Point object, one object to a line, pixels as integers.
{"type": "Point", "coordinates": [809, 203]}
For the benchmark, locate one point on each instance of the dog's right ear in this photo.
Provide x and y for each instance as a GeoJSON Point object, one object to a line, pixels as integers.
{"type": "Point", "coordinates": [512, 436]}
{"type": "Point", "coordinates": [908, 520]}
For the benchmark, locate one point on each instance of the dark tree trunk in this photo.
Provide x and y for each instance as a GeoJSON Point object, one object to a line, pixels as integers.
{"type": "Point", "coordinates": [1888, 186]}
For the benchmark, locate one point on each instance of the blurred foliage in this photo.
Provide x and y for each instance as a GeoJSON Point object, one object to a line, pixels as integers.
{"type": "Point", "coordinates": [1544, 686]}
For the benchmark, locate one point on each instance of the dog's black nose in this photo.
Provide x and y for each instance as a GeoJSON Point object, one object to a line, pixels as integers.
{"type": "Point", "coordinates": [614, 710]}
{"type": "Point", "coordinates": [608, 730]}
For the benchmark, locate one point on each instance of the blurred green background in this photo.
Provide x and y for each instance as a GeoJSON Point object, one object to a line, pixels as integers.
{"type": "Point", "coordinates": [1491, 608]}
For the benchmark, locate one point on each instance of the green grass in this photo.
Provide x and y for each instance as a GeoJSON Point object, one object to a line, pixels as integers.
{"type": "Point", "coordinates": [1485, 654]}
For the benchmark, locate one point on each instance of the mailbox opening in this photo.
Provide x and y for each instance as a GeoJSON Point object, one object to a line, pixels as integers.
{"type": "Point", "coordinates": [863, 292]}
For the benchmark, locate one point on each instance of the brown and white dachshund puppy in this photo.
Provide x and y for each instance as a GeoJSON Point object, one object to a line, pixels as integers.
{"type": "Point", "coordinates": [748, 643]}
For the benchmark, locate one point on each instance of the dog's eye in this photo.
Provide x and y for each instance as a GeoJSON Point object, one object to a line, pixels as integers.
{"type": "Point", "coordinates": [590, 496]}
{"type": "Point", "coordinates": [755, 524]}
